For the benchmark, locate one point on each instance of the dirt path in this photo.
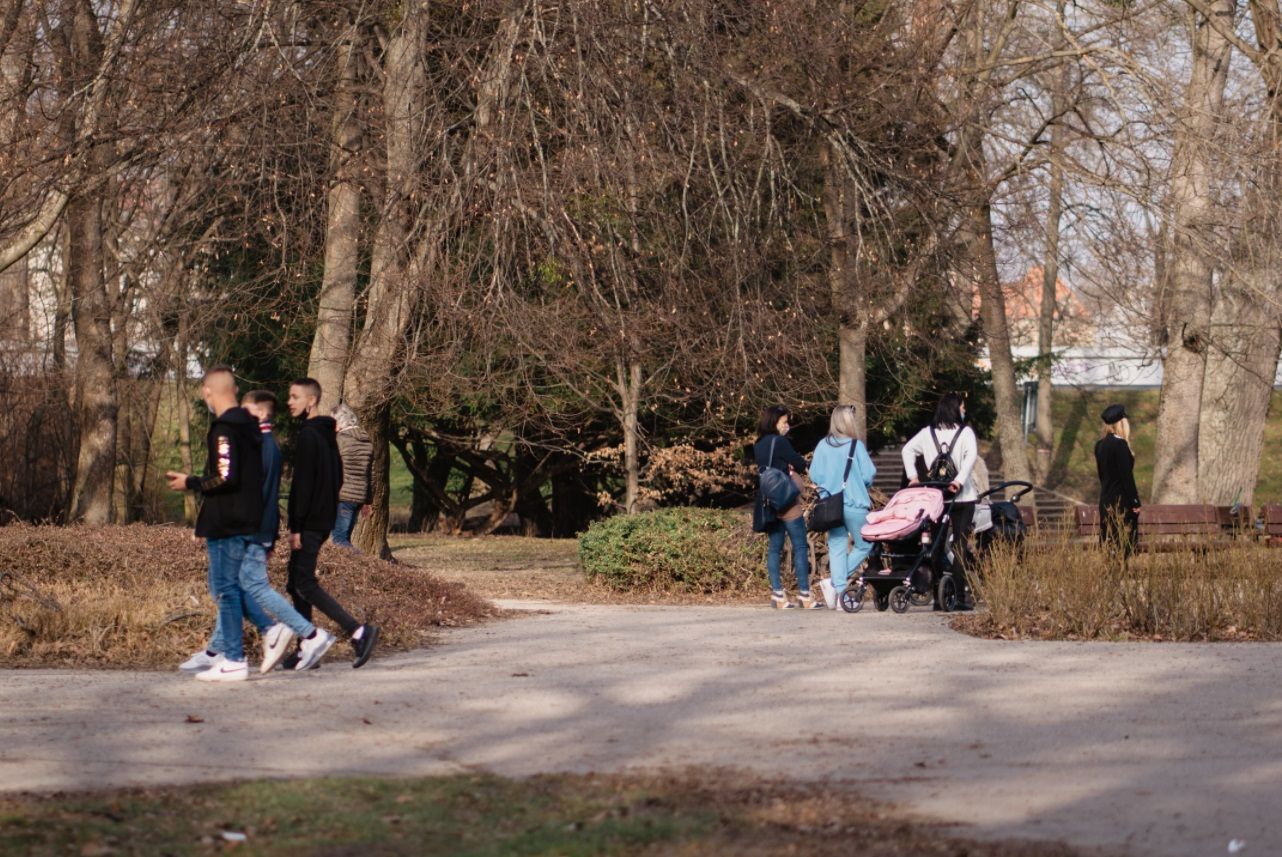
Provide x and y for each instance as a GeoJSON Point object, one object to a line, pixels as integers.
{"type": "Point", "coordinates": [1170, 749]}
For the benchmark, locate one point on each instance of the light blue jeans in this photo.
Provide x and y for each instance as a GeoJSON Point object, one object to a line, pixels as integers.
{"type": "Point", "coordinates": [842, 559]}
{"type": "Point", "coordinates": [226, 556]}
{"type": "Point", "coordinates": [261, 602]}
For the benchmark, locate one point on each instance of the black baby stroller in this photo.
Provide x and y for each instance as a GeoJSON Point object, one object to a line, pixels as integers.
{"type": "Point", "coordinates": [910, 555]}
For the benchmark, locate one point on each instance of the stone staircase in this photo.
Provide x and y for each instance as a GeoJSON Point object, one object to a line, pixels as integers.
{"type": "Point", "coordinates": [1053, 508]}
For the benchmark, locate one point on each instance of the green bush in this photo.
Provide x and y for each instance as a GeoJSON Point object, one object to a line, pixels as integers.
{"type": "Point", "coordinates": [682, 550]}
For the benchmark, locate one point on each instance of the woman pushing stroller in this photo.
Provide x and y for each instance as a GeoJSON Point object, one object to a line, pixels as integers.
{"type": "Point", "coordinates": [952, 450]}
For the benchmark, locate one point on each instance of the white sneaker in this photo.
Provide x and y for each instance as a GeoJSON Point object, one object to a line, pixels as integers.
{"type": "Point", "coordinates": [829, 592]}
{"type": "Point", "coordinates": [225, 670]}
{"type": "Point", "coordinates": [311, 651]}
{"type": "Point", "coordinates": [275, 643]}
{"type": "Point", "coordinates": [199, 662]}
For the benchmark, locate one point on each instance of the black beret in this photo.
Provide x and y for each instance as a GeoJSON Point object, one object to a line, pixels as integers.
{"type": "Point", "coordinates": [1113, 414]}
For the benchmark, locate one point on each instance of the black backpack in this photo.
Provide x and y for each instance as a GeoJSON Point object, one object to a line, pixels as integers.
{"type": "Point", "coordinates": [943, 468]}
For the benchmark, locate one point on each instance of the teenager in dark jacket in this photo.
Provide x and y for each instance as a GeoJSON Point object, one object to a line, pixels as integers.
{"type": "Point", "coordinates": [277, 622]}
{"type": "Point", "coordinates": [313, 509]}
{"type": "Point", "coordinates": [231, 513]}
{"type": "Point", "coordinates": [1119, 499]}
{"type": "Point", "coordinates": [772, 449]}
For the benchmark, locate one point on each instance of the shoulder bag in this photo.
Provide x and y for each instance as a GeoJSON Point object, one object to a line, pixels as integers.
{"type": "Point", "coordinates": [830, 512]}
{"type": "Point", "coordinates": [778, 491]}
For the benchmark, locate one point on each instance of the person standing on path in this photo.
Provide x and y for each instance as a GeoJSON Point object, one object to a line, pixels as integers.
{"type": "Point", "coordinates": [773, 449]}
{"type": "Point", "coordinates": [357, 454]}
{"type": "Point", "coordinates": [231, 513]}
{"type": "Point", "coordinates": [313, 511]}
{"type": "Point", "coordinates": [952, 450]}
{"type": "Point", "coordinates": [828, 470]}
{"type": "Point", "coordinates": [1119, 499]}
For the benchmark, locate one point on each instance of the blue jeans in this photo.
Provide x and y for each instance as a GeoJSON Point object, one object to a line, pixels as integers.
{"type": "Point", "coordinates": [841, 558]}
{"type": "Point", "coordinates": [348, 515]}
{"type": "Point", "coordinates": [261, 602]}
{"type": "Point", "coordinates": [795, 530]}
{"type": "Point", "coordinates": [226, 556]}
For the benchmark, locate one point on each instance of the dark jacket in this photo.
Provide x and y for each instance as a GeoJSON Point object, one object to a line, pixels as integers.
{"type": "Point", "coordinates": [781, 456]}
{"type": "Point", "coordinates": [1116, 467]}
{"type": "Point", "coordinates": [233, 480]}
{"type": "Point", "coordinates": [271, 490]}
{"type": "Point", "coordinates": [318, 477]}
{"type": "Point", "coordinates": [357, 454]}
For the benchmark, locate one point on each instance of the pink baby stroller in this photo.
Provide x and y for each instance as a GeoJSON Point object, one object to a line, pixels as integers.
{"type": "Point", "coordinates": [910, 558]}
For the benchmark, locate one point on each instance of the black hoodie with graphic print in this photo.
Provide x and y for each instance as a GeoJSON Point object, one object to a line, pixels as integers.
{"type": "Point", "coordinates": [232, 486]}
{"type": "Point", "coordinates": [318, 476]}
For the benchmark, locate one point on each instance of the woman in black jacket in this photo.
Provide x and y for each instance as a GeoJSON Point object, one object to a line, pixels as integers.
{"type": "Point", "coordinates": [772, 449]}
{"type": "Point", "coordinates": [1119, 499]}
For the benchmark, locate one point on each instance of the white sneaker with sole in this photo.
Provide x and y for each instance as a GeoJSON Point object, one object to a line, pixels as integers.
{"type": "Point", "coordinates": [275, 644]}
{"type": "Point", "coordinates": [199, 662]}
{"type": "Point", "coordinates": [225, 670]}
{"type": "Point", "coordinates": [829, 592]}
{"type": "Point", "coordinates": [311, 651]}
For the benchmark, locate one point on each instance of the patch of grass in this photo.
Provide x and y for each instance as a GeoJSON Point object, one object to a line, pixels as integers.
{"type": "Point", "coordinates": [484, 816]}
{"type": "Point", "coordinates": [134, 596]}
{"type": "Point", "coordinates": [1060, 590]}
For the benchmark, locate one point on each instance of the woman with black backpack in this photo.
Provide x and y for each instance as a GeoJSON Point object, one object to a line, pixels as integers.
{"type": "Point", "coordinates": [776, 511]}
{"type": "Point", "coordinates": [950, 449]}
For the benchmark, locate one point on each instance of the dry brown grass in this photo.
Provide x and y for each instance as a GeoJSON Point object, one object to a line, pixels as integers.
{"type": "Point", "coordinates": [137, 596]}
{"type": "Point", "coordinates": [1061, 590]}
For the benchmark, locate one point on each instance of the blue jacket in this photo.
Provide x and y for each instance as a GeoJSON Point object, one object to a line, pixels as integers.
{"type": "Point", "coordinates": [271, 492]}
{"type": "Point", "coordinates": [829, 463]}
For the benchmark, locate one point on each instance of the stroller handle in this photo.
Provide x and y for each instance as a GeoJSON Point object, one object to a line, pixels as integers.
{"type": "Point", "coordinates": [1024, 487]}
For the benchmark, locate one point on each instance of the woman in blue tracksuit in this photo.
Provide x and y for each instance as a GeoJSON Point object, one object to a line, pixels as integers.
{"type": "Point", "coordinates": [826, 471]}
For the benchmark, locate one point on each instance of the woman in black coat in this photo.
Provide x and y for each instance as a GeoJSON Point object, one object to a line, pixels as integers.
{"type": "Point", "coordinates": [1119, 499]}
{"type": "Point", "coordinates": [772, 449]}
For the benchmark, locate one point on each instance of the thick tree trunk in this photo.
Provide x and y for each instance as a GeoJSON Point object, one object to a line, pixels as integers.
{"type": "Point", "coordinates": [330, 344]}
{"type": "Point", "coordinates": [1241, 365]}
{"type": "Point", "coordinates": [852, 326]}
{"type": "Point", "coordinates": [1190, 266]}
{"type": "Point", "coordinates": [96, 406]}
{"type": "Point", "coordinates": [371, 532]}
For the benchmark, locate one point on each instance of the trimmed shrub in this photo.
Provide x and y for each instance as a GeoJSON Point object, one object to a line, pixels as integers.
{"type": "Point", "coordinates": [681, 550]}
{"type": "Point", "coordinates": [137, 596]}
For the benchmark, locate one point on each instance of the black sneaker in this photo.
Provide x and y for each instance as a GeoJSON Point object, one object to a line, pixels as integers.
{"type": "Point", "coordinates": [364, 647]}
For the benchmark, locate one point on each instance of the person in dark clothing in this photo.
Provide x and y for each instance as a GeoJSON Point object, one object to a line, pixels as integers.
{"type": "Point", "coordinates": [312, 511]}
{"type": "Point", "coordinates": [231, 514]}
{"type": "Point", "coordinates": [1119, 499]}
{"type": "Point", "coordinates": [772, 449]}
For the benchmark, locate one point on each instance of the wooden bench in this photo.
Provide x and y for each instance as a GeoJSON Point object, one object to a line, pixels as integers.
{"type": "Point", "coordinates": [1176, 527]}
{"type": "Point", "coordinates": [1271, 519]}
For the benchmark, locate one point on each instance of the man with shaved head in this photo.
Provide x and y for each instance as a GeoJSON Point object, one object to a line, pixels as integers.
{"type": "Point", "coordinates": [231, 514]}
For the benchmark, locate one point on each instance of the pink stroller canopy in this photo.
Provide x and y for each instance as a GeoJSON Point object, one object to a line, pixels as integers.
{"type": "Point", "coordinates": [903, 514]}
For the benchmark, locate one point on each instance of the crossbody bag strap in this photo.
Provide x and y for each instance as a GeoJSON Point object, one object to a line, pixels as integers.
{"type": "Point", "coordinates": [850, 459]}
{"type": "Point", "coordinates": [770, 460]}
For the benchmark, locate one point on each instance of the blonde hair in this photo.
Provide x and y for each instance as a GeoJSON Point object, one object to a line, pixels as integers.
{"type": "Point", "coordinates": [1121, 428]}
{"type": "Point", "coordinates": [843, 423]}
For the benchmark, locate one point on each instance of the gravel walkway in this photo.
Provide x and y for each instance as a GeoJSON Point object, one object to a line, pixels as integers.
{"type": "Point", "coordinates": [1163, 749]}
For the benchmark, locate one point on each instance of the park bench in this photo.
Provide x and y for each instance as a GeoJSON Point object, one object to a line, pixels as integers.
{"type": "Point", "coordinates": [1201, 527]}
{"type": "Point", "coordinates": [1271, 518]}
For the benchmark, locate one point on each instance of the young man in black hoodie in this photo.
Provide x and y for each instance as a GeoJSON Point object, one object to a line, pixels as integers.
{"type": "Point", "coordinates": [231, 513]}
{"type": "Point", "coordinates": [313, 509]}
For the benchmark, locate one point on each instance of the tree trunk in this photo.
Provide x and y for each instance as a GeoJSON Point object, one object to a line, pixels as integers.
{"type": "Point", "coordinates": [629, 381]}
{"type": "Point", "coordinates": [980, 271]}
{"type": "Point", "coordinates": [183, 407]}
{"type": "Point", "coordinates": [371, 532]}
{"type": "Point", "coordinates": [1050, 290]}
{"type": "Point", "coordinates": [1241, 365]}
{"type": "Point", "coordinates": [96, 405]}
{"type": "Point", "coordinates": [328, 362]}
{"type": "Point", "coordinates": [852, 327]}
{"type": "Point", "coordinates": [1191, 264]}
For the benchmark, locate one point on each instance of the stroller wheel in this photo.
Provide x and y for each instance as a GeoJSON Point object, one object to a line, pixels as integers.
{"type": "Point", "coordinates": [948, 594]}
{"type": "Point", "coordinates": [920, 597]}
{"type": "Point", "coordinates": [900, 599]}
{"type": "Point", "coordinates": [852, 600]}
{"type": "Point", "coordinates": [881, 602]}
